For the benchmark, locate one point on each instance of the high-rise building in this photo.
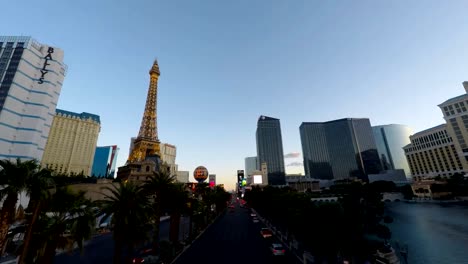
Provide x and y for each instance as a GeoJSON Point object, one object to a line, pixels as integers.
{"type": "Point", "coordinates": [182, 176]}
{"type": "Point", "coordinates": [31, 77]}
{"type": "Point", "coordinates": [390, 140]}
{"type": "Point", "coordinates": [270, 149]}
{"type": "Point", "coordinates": [72, 142]}
{"type": "Point", "coordinates": [339, 149]}
{"type": "Point", "coordinates": [168, 156]}
{"type": "Point", "coordinates": [145, 156]}
{"type": "Point", "coordinates": [455, 111]}
{"type": "Point", "coordinates": [250, 165]}
{"type": "Point", "coordinates": [432, 153]}
{"type": "Point", "coordinates": [105, 159]}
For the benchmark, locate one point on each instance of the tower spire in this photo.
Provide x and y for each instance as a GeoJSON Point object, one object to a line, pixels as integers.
{"type": "Point", "coordinates": [149, 128]}
{"type": "Point", "coordinates": [147, 142]}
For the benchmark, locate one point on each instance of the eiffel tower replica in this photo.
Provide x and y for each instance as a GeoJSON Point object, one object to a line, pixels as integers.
{"type": "Point", "coordinates": [145, 156]}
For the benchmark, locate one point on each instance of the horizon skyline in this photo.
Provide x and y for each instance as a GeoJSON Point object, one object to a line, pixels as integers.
{"type": "Point", "coordinates": [225, 64]}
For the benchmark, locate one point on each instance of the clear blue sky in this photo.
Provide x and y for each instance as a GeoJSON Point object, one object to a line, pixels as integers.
{"type": "Point", "coordinates": [224, 63]}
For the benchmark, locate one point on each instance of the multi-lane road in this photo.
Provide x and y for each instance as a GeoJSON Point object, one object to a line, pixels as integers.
{"type": "Point", "coordinates": [233, 238]}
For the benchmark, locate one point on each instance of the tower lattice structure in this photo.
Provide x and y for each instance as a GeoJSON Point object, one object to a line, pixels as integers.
{"type": "Point", "coordinates": [147, 142]}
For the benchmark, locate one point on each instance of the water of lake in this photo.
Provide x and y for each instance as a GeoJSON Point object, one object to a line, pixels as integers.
{"type": "Point", "coordinates": [434, 233]}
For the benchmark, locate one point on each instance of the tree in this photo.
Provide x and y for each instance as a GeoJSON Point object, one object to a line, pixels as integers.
{"type": "Point", "coordinates": [20, 213]}
{"type": "Point", "coordinates": [13, 177]}
{"type": "Point", "coordinates": [158, 188]}
{"type": "Point", "coordinates": [458, 184]}
{"type": "Point", "coordinates": [38, 189]}
{"type": "Point", "coordinates": [67, 218]}
{"type": "Point", "coordinates": [176, 206]}
{"type": "Point", "coordinates": [221, 198]}
{"type": "Point", "coordinates": [202, 189]}
{"type": "Point", "coordinates": [129, 207]}
{"type": "Point", "coordinates": [383, 232]}
{"type": "Point", "coordinates": [407, 191]}
{"type": "Point", "coordinates": [326, 229]}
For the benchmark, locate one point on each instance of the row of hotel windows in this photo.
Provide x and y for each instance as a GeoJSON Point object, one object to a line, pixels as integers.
{"type": "Point", "coordinates": [76, 117]}
{"type": "Point", "coordinates": [55, 167]}
{"type": "Point", "coordinates": [459, 107]}
{"type": "Point", "coordinates": [458, 132]}
{"type": "Point", "coordinates": [60, 168]}
{"type": "Point", "coordinates": [442, 175]}
{"type": "Point", "coordinates": [432, 137]}
{"type": "Point", "coordinates": [418, 164]}
{"type": "Point", "coordinates": [10, 44]}
{"type": "Point", "coordinates": [428, 145]}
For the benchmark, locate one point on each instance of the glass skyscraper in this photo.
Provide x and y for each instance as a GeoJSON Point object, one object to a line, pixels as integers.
{"type": "Point", "coordinates": [105, 160]}
{"type": "Point", "coordinates": [270, 149]}
{"type": "Point", "coordinates": [390, 140]}
{"type": "Point", "coordinates": [250, 165]}
{"type": "Point", "coordinates": [339, 149]}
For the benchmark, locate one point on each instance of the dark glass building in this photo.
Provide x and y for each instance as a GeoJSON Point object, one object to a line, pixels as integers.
{"type": "Point", "coordinates": [390, 140]}
{"type": "Point", "coordinates": [105, 160]}
{"type": "Point", "coordinates": [270, 149]}
{"type": "Point", "coordinates": [339, 149]}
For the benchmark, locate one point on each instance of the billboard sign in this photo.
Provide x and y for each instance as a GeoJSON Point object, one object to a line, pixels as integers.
{"type": "Point", "coordinates": [212, 180]}
{"type": "Point", "coordinates": [240, 175]}
{"type": "Point", "coordinates": [257, 179]}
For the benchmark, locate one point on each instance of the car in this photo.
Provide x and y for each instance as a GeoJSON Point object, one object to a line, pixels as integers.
{"type": "Point", "coordinates": [146, 256]}
{"type": "Point", "coordinates": [266, 232]}
{"type": "Point", "coordinates": [253, 215]}
{"type": "Point", "coordinates": [231, 206]}
{"type": "Point", "coordinates": [255, 220]}
{"type": "Point", "coordinates": [277, 249]}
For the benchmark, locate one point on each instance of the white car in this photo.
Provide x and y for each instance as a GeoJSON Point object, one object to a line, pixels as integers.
{"type": "Point", "coordinates": [253, 215]}
{"type": "Point", "coordinates": [277, 249]}
{"type": "Point", "coordinates": [255, 220]}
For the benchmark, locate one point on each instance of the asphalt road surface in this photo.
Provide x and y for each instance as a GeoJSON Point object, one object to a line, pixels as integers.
{"type": "Point", "coordinates": [101, 248]}
{"type": "Point", "coordinates": [233, 238]}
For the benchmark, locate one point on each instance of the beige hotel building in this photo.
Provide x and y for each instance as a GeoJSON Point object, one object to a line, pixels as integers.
{"type": "Point", "coordinates": [442, 150]}
{"type": "Point", "coordinates": [72, 143]}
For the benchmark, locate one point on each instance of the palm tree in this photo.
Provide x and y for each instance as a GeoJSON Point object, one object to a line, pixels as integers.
{"type": "Point", "coordinates": [20, 213]}
{"type": "Point", "coordinates": [202, 189]}
{"type": "Point", "coordinates": [13, 178]}
{"type": "Point", "coordinates": [221, 198]}
{"type": "Point", "coordinates": [158, 187]}
{"type": "Point", "coordinates": [66, 219]}
{"type": "Point", "coordinates": [38, 189]}
{"type": "Point", "coordinates": [130, 210]}
{"type": "Point", "coordinates": [176, 206]}
{"type": "Point", "coordinates": [69, 218]}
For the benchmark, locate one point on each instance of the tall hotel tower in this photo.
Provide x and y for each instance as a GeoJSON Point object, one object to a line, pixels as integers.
{"type": "Point", "coordinates": [270, 149]}
{"type": "Point", "coordinates": [31, 77]}
{"type": "Point", "coordinates": [72, 143]}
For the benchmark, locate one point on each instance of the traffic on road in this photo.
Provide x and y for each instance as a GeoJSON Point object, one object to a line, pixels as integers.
{"type": "Point", "coordinates": [239, 236]}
